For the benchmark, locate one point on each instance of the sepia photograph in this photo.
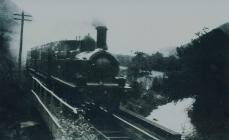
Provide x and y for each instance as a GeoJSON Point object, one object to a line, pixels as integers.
{"type": "Point", "coordinates": [114, 70]}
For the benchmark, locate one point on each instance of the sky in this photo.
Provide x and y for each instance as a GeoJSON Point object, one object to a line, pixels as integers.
{"type": "Point", "coordinates": [133, 25]}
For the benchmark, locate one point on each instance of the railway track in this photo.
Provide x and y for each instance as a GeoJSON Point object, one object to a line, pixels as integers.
{"type": "Point", "coordinates": [122, 125]}
{"type": "Point", "coordinates": [126, 125]}
{"type": "Point", "coordinates": [146, 128]}
{"type": "Point", "coordinates": [106, 125]}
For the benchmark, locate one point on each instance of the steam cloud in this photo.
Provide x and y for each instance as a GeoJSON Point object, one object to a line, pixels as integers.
{"type": "Point", "coordinates": [96, 23]}
{"type": "Point", "coordinates": [7, 35]}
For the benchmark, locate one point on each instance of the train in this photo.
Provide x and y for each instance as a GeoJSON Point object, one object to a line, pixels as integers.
{"type": "Point", "coordinates": [85, 65]}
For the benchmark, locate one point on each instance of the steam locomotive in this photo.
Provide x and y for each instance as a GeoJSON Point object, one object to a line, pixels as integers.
{"type": "Point", "coordinates": [85, 65]}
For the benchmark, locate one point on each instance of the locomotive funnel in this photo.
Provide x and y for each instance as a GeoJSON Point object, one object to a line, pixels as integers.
{"type": "Point", "coordinates": [101, 37]}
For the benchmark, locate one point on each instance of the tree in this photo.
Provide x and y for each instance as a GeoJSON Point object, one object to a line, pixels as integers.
{"type": "Point", "coordinates": [139, 63]}
{"type": "Point", "coordinates": [157, 85]}
{"type": "Point", "coordinates": [156, 61]}
{"type": "Point", "coordinates": [203, 73]}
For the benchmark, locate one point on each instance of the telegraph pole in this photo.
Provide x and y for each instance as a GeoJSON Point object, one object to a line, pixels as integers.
{"type": "Point", "coordinates": [22, 18]}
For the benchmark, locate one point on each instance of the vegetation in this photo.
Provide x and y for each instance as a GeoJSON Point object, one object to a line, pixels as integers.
{"type": "Point", "coordinates": [141, 99]}
{"type": "Point", "coordinates": [143, 63]}
{"type": "Point", "coordinates": [200, 70]}
{"type": "Point", "coordinates": [203, 74]}
{"type": "Point", "coordinates": [124, 60]}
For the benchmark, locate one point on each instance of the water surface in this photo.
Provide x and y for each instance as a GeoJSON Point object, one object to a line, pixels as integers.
{"type": "Point", "coordinates": [174, 116]}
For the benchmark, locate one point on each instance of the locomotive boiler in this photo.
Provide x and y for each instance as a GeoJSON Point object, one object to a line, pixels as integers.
{"type": "Point", "coordinates": [85, 65]}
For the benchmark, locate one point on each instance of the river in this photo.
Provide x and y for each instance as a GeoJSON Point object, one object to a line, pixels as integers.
{"type": "Point", "coordinates": [174, 115]}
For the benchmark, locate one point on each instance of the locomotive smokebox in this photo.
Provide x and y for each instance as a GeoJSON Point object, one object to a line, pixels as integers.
{"type": "Point", "coordinates": [101, 37]}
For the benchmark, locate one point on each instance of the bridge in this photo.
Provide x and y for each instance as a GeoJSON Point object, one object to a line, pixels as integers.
{"type": "Point", "coordinates": [123, 124]}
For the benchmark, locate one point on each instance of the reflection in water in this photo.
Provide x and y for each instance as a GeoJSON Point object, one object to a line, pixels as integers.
{"type": "Point", "coordinates": [174, 116]}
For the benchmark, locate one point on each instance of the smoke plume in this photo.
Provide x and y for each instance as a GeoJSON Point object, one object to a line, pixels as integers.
{"type": "Point", "coordinates": [96, 23]}
{"type": "Point", "coordinates": [7, 36]}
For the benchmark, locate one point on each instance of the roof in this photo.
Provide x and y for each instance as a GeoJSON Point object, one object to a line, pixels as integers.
{"type": "Point", "coordinates": [57, 43]}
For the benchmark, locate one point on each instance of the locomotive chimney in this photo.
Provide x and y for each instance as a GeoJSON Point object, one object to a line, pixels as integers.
{"type": "Point", "coordinates": [101, 37]}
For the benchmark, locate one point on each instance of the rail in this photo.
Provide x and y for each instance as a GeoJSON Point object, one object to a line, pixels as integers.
{"type": "Point", "coordinates": [158, 130]}
{"type": "Point", "coordinates": [73, 109]}
{"type": "Point", "coordinates": [46, 109]}
{"type": "Point", "coordinates": [135, 127]}
{"type": "Point", "coordinates": [55, 114]}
